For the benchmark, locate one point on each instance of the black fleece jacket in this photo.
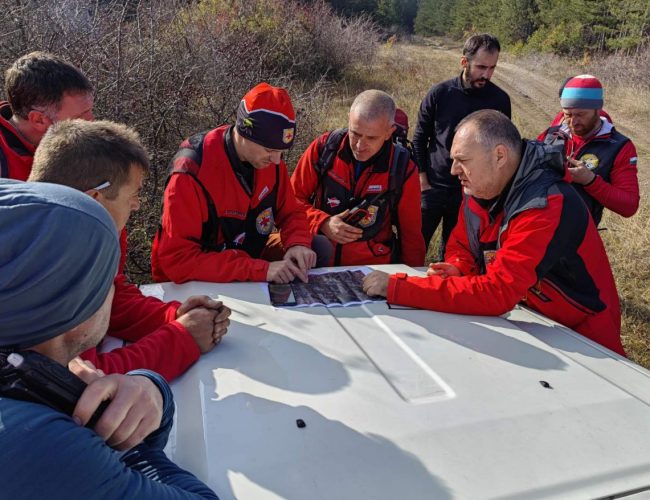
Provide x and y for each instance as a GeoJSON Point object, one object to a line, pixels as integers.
{"type": "Point", "coordinates": [444, 106]}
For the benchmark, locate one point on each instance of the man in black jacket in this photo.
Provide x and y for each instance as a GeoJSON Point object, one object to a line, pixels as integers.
{"type": "Point", "coordinates": [444, 106]}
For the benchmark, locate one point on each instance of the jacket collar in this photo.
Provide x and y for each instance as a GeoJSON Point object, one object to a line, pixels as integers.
{"type": "Point", "coordinates": [379, 162]}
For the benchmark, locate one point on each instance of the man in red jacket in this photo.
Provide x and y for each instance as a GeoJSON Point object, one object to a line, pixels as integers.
{"type": "Point", "coordinates": [107, 161]}
{"type": "Point", "coordinates": [602, 162]}
{"type": "Point", "coordinates": [227, 192]}
{"type": "Point", "coordinates": [523, 235]}
{"type": "Point", "coordinates": [361, 190]}
{"type": "Point", "coordinates": [41, 89]}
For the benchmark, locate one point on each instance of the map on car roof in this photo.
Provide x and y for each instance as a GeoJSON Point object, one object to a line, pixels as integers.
{"type": "Point", "coordinates": [329, 289]}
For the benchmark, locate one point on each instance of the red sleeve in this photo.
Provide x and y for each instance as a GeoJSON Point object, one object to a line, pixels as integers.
{"type": "Point", "coordinates": [291, 217]}
{"type": "Point", "coordinates": [506, 280]}
{"type": "Point", "coordinates": [179, 254]}
{"type": "Point", "coordinates": [457, 251]}
{"type": "Point", "coordinates": [410, 220]}
{"type": "Point", "coordinates": [305, 183]}
{"type": "Point", "coordinates": [170, 351]}
{"type": "Point", "coordinates": [134, 315]}
{"type": "Point", "coordinates": [621, 194]}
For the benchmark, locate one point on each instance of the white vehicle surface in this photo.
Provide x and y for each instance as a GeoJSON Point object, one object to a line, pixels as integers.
{"type": "Point", "coordinates": [406, 404]}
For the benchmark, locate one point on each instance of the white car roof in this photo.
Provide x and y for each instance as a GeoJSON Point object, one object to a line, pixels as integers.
{"type": "Point", "coordinates": [401, 403]}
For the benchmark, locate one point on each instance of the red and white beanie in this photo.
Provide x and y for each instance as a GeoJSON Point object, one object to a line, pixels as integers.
{"type": "Point", "coordinates": [583, 92]}
{"type": "Point", "coordinates": [266, 117]}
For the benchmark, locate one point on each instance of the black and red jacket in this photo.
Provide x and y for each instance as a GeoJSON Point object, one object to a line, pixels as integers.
{"type": "Point", "coordinates": [245, 219]}
{"type": "Point", "coordinates": [613, 158]}
{"type": "Point", "coordinates": [337, 190]}
{"type": "Point", "coordinates": [536, 244]}
{"type": "Point", "coordinates": [16, 154]}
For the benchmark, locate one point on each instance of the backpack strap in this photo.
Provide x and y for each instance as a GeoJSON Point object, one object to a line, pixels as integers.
{"type": "Point", "coordinates": [4, 166]}
{"type": "Point", "coordinates": [188, 161]}
{"type": "Point", "coordinates": [397, 177]}
{"type": "Point", "coordinates": [327, 151]}
{"type": "Point", "coordinates": [326, 155]}
{"type": "Point", "coordinates": [554, 136]}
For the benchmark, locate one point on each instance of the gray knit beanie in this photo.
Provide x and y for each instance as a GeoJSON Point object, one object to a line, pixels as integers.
{"type": "Point", "coordinates": [58, 259]}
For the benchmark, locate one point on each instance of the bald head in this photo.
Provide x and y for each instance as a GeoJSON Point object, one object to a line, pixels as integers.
{"type": "Point", "coordinates": [485, 153]}
{"type": "Point", "coordinates": [373, 105]}
{"type": "Point", "coordinates": [371, 123]}
{"type": "Point", "coordinates": [491, 128]}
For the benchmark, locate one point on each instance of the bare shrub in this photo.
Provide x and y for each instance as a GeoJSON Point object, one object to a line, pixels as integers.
{"type": "Point", "coordinates": [171, 68]}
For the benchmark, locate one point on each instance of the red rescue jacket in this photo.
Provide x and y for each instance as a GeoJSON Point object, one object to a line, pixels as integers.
{"type": "Point", "coordinates": [16, 154]}
{"type": "Point", "coordinates": [613, 158]}
{"type": "Point", "coordinates": [177, 254]}
{"type": "Point", "coordinates": [338, 191]}
{"type": "Point", "coordinates": [538, 245]}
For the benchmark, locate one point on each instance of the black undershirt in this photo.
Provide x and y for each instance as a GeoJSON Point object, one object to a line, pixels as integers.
{"type": "Point", "coordinates": [244, 171]}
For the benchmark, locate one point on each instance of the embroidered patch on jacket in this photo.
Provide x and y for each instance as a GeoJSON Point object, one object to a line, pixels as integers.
{"type": "Point", "coordinates": [633, 160]}
{"type": "Point", "coordinates": [287, 135]}
{"type": "Point", "coordinates": [489, 256]}
{"type": "Point", "coordinates": [590, 161]}
{"type": "Point", "coordinates": [263, 193]}
{"type": "Point", "coordinates": [264, 221]}
{"type": "Point", "coordinates": [234, 213]}
{"type": "Point", "coordinates": [333, 202]}
{"type": "Point", "coordinates": [369, 219]}
{"type": "Point", "coordinates": [375, 188]}
{"type": "Point", "coordinates": [239, 239]}
{"type": "Point", "coordinates": [343, 182]}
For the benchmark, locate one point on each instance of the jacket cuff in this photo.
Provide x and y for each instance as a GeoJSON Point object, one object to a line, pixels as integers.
{"type": "Point", "coordinates": [259, 269]}
{"type": "Point", "coordinates": [172, 308]}
{"type": "Point", "coordinates": [393, 284]}
{"type": "Point", "coordinates": [191, 343]}
{"type": "Point", "coordinates": [593, 183]}
{"type": "Point", "coordinates": [163, 387]}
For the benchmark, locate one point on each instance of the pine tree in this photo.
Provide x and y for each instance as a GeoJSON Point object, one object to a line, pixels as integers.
{"type": "Point", "coordinates": [433, 17]}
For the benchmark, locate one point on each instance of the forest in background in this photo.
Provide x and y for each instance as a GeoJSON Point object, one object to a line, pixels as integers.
{"type": "Point", "coordinates": [563, 27]}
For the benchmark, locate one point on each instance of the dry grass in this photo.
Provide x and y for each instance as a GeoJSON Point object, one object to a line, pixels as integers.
{"type": "Point", "coordinates": [407, 71]}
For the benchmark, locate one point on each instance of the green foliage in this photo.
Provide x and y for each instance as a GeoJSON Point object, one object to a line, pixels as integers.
{"type": "Point", "coordinates": [567, 27]}
{"type": "Point", "coordinates": [564, 39]}
{"type": "Point", "coordinates": [398, 15]}
{"type": "Point", "coordinates": [433, 17]}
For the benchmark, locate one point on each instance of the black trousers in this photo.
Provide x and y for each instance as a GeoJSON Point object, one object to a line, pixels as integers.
{"type": "Point", "coordinates": [440, 204]}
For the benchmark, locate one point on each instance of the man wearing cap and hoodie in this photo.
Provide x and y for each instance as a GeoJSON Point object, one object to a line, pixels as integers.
{"type": "Point", "coordinates": [57, 262]}
{"type": "Point", "coordinates": [602, 162]}
{"type": "Point", "coordinates": [228, 189]}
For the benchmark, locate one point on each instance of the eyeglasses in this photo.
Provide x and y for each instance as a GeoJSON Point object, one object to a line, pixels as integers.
{"type": "Point", "coordinates": [103, 185]}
